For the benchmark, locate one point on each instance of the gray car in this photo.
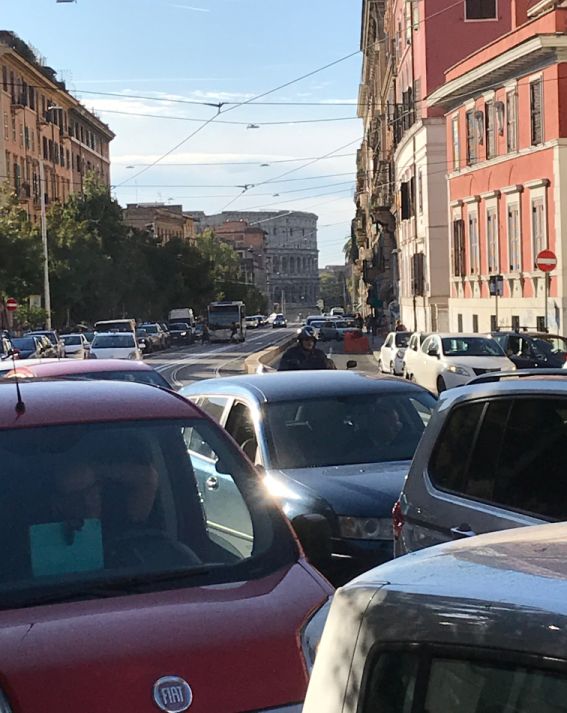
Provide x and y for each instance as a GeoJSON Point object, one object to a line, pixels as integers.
{"type": "Point", "coordinates": [492, 458]}
{"type": "Point", "coordinates": [333, 444]}
{"type": "Point", "coordinates": [468, 627]}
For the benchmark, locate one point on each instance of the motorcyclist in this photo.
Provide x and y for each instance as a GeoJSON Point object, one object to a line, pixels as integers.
{"type": "Point", "coordinates": [305, 355]}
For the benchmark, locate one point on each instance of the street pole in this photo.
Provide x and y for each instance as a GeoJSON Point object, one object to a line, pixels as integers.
{"type": "Point", "coordinates": [46, 289]}
{"type": "Point", "coordinates": [547, 278]}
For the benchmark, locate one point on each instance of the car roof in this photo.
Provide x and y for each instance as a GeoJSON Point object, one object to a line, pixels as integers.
{"type": "Point", "coordinates": [57, 402]}
{"type": "Point", "coordinates": [507, 387]}
{"type": "Point", "coordinates": [63, 367]}
{"type": "Point", "coordinates": [459, 335]}
{"type": "Point", "coordinates": [113, 334]}
{"type": "Point", "coordinates": [526, 566]}
{"type": "Point", "coordinates": [288, 386]}
{"type": "Point", "coordinates": [511, 332]}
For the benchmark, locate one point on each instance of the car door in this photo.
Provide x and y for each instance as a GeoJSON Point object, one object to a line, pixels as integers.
{"type": "Point", "coordinates": [386, 353]}
{"type": "Point", "coordinates": [426, 373]}
{"type": "Point", "coordinates": [494, 465]}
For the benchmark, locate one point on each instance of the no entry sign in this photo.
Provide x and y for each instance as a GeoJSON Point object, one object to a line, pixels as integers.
{"type": "Point", "coordinates": [546, 260]}
{"type": "Point", "coordinates": [11, 304]}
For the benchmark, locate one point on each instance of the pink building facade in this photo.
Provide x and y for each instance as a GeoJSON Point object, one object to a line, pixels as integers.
{"type": "Point", "coordinates": [506, 134]}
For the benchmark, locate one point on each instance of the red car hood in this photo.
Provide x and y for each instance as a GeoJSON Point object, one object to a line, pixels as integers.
{"type": "Point", "coordinates": [237, 646]}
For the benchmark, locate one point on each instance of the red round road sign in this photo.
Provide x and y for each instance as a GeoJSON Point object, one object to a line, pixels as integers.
{"type": "Point", "coordinates": [546, 260]}
{"type": "Point", "coordinates": [11, 304]}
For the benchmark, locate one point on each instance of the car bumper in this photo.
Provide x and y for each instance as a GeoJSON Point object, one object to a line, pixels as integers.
{"type": "Point", "coordinates": [352, 557]}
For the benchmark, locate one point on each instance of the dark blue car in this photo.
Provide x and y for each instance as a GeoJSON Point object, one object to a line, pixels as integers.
{"type": "Point", "coordinates": [331, 443]}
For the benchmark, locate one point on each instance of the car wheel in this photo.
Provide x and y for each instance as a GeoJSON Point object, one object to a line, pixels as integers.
{"type": "Point", "coordinates": [441, 386]}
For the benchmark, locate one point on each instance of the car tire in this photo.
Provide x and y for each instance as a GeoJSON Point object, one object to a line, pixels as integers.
{"type": "Point", "coordinates": [441, 385]}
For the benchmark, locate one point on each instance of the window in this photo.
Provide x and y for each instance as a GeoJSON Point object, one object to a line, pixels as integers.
{"type": "Point", "coordinates": [4, 78]}
{"type": "Point", "coordinates": [536, 109]}
{"type": "Point", "coordinates": [490, 126]}
{"type": "Point", "coordinates": [240, 425]}
{"type": "Point", "coordinates": [456, 143]}
{"type": "Point", "coordinates": [539, 232]}
{"type": "Point", "coordinates": [418, 273]}
{"type": "Point", "coordinates": [481, 10]}
{"type": "Point", "coordinates": [407, 189]}
{"type": "Point", "coordinates": [492, 240]}
{"type": "Point", "coordinates": [472, 140]}
{"type": "Point", "coordinates": [459, 323]}
{"type": "Point", "coordinates": [213, 406]}
{"type": "Point", "coordinates": [512, 121]}
{"type": "Point", "coordinates": [493, 323]}
{"type": "Point", "coordinates": [475, 323]}
{"type": "Point", "coordinates": [420, 191]}
{"type": "Point", "coordinates": [514, 245]}
{"type": "Point", "coordinates": [6, 127]}
{"type": "Point", "coordinates": [474, 254]}
{"type": "Point", "coordinates": [515, 323]}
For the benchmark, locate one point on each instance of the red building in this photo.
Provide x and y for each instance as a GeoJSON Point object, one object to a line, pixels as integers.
{"type": "Point", "coordinates": [506, 128]}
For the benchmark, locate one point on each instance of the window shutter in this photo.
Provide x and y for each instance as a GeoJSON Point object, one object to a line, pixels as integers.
{"type": "Point", "coordinates": [535, 109]}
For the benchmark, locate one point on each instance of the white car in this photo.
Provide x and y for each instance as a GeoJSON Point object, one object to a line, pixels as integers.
{"type": "Point", "coordinates": [391, 360]}
{"type": "Point", "coordinates": [449, 360]}
{"type": "Point", "coordinates": [115, 345]}
{"type": "Point", "coordinates": [412, 354]}
{"type": "Point", "coordinates": [76, 345]}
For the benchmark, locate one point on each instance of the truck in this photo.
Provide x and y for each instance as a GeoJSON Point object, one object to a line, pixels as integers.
{"type": "Point", "coordinates": [181, 314]}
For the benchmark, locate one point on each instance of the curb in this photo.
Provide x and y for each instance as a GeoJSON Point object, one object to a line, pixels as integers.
{"type": "Point", "coordinates": [267, 356]}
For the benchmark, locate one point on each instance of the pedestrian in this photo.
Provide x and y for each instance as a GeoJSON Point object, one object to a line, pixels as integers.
{"type": "Point", "coordinates": [358, 321]}
{"type": "Point", "coordinates": [305, 354]}
{"type": "Point", "coordinates": [233, 332]}
{"type": "Point", "coordinates": [400, 326]}
{"type": "Point", "coordinates": [205, 336]}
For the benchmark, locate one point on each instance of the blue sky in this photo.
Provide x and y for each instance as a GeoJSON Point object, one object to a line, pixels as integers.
{"type": "Point", "coordinates": [155, 55]}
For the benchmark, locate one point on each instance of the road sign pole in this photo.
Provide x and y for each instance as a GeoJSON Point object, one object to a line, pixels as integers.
{"type": "Point", "coordinates": [547, 278]}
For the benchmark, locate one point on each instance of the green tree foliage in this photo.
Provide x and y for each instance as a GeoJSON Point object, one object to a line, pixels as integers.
{"type": "Point", "coordinates": [21, 256]}
{"type": "Point", "coordinates": [331, 288]}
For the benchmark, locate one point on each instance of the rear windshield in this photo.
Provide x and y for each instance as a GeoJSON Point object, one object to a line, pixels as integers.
{"type": "Point", "coordinates": [150, 328]}
{"type": "Point", "coordinates": [70, 341]}
{"type": "Point", "coordinates": [93, 510]}
{"type": "Point", "coordinates": [402, 339]}
{"type": "Point", "coordinates": [365, 428]}
{"type": "Point", "coordinates": [113, 341]}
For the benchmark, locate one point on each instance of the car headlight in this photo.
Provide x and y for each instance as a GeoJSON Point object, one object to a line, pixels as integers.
{"type": "Point", "coordinates": [458, 370]}
{"type": "Point", "coordinates": [366, 528]}
{"type": "Point", "coordinates": [312, 632]}
{"type": "Point", "coordinates": [278, 489]}
{"type": "Point", "coordinates": [183, 334]}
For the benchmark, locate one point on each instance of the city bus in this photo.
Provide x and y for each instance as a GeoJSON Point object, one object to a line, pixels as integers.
{"type": "Point", "coordinates": [221, 316]}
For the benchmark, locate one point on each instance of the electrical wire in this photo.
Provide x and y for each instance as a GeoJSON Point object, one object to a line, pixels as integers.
{"type": "Point", "coordinates": [246, 163]}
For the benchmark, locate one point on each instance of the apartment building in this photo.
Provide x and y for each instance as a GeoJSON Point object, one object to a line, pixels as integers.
{"type": "Point", "coordinates": [506, 131]}
{"type": "Point", "coordinates": [164, 221]}
{"type": "Point", "coordinates": [45, 130]}
{"type": "Point", "coordinates": [250, 244]}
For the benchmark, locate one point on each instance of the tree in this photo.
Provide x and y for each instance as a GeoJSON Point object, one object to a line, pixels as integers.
{"type": "Point", "coordinates": [331, 288]}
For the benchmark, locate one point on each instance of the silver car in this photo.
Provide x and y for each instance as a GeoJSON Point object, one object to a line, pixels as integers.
{"type": "Point", "coordinates": [333, 444]}
{"type": "Point", "coordinates": [469, 627]}
{"type": "Point", "coordinates": [493, 457]}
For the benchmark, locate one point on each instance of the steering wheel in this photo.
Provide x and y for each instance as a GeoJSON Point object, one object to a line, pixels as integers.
{"type": "Point", "coordinates": [142, 546]}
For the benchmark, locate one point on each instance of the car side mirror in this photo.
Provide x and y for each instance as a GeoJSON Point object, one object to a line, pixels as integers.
{"type": "Point", "coordinates": [351, 364]}
{"type": "Point", "coordinates": [432, 351]}
{"type": "Point", "coordinates": [314, 533]}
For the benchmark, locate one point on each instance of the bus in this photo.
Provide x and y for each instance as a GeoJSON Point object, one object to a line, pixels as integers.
{"type": "Point", "coordinates": [221, 316]}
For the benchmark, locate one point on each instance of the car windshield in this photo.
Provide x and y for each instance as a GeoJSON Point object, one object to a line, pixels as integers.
{"type": "Point", "coordinates": [23, 343]}
{"type": "Point", "coordinates": [471, 347]}
{"type": "Point", "coordinates": [342, 430]}
{"type": "Point", "coordinates": [46, 335]}
{"type": "Point", "coordinates": [113, 341]}
{"type": "Point", "coordinates": [71, 340]}
{"type": "Point", "coordinates": [178, 327]}
{"type": "Point", "coordinates": [150, 328]}
{"type": "Point", "coordinates": [93, 509]}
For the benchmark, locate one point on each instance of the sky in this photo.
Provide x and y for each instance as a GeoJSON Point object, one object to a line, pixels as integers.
{"type": "Point", "coordinates": [126, 58]}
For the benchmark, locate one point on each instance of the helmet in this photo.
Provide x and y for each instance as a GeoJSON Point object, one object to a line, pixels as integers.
{"type": "Point", "coordinates": [306, 333]}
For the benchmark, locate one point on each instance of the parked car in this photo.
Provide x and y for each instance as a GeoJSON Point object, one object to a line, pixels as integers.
{"type": "Point", "coordinates": [346, 325]}
{"type": "Point", "coordinates": [449, 360]}
{"type": "Point", "coordinates": [391, 360]}
{"type": "Point", "coordinates": [279, 321]}
{"type": "Point", "coordinates": [253, 321]}
{"type": "Point", "coordinates": [492, 458]}
{"type": "Point", "coordinates": [326, 330]}
{"type": "Point", "coordinates": [109, 538]}
{"type": "Point", "coordinates": [100, 369]}
{"type": "Point", "coordinates": [75, 345]}
{"type": "Point", "coordinates": [181, 333]}
{"type": "Point", "coordinates": [412, 353]}
{"type": "Point", "coordinates": [145, 342]}
{"type": "Point", "coordinates": [58, 348]}
{"type": "Point", "coordinates": [468, 627]}
{"type": "Point", "coordinates": [28, 347]}
{"type": "Point", "coordinates": [332, 443]}
{"type": "Point", "coordinates": [167, 333]}
{"type": "Point", "coordinates": [155, 333]}
{"type": "Point", "coordinates": [115, 345]}
{"type": "Point", "coordinates": [528, 350]}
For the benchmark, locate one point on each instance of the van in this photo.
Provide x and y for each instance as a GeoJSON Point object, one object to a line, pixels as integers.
{"type": "Point", "coordinates": [116, 325]}
{"type": "Point", "coordinates": [337, 312]}
{"type": "Point", "coordinates": [477, 626]}
{"type": "Point", "coordinates": [183, 314]}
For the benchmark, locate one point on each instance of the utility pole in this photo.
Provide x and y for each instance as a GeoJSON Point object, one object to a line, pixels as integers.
{"type": "Point", "coordinates": [46, 288]}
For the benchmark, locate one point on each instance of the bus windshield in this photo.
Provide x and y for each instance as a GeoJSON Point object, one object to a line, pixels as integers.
{"type": "Point", "coordinates": [225, 315]}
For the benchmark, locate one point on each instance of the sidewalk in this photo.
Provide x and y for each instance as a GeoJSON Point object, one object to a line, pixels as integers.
{"type": "Point", "coordinates": [376, 344]}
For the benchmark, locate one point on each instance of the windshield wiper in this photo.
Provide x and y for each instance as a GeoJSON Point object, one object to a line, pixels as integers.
{"type": "Point", "coordinates": [101, 589]}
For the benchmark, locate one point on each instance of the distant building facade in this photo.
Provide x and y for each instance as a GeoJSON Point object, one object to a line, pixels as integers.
{"type": "Point", "coordinates": [44, 126]}
{"type": "Point", "coordinates": [162, 220]}
{"type": "Point", "coordinates": [250, 244]}
{"type": "Point", "coordinates": [291, 252]}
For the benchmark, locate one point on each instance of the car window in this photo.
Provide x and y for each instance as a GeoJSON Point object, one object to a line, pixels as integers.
{"type": "Point", "coordinates": [240, 425]}
{"type": "Point", "coordinates": [410, 682]}
{"type": "Point", "coordinates": [343, 430]}
{"type": "Point", "coordinates": [527, 442]}
{"type": "Point", "coordinates": [428, 344]}
{"type": "Point", "coordinates": [213, 406]}
{"type": "Point", "coordinates": [86, 505]}
{"type": "Point", "coordinates": [388, 342]}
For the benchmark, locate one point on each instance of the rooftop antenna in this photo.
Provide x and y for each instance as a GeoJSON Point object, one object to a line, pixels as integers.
{"type": "Point", "coordinates": [20, 405]}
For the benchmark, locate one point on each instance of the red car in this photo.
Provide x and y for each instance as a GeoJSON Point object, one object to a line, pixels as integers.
{"type": "Point", "coordinates": [105, 369]}
{"type": "Point", "coordinates": [142, 565]}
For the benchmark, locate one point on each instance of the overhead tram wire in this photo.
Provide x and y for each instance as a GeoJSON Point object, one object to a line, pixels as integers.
{"type": "Point", "coordinates": [247, 163]}
{"type": "Point", "coordinates": [231, 108]}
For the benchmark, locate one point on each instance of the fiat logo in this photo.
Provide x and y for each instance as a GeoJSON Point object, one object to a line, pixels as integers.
{"type": "Point", "coordinates": [172, 694]}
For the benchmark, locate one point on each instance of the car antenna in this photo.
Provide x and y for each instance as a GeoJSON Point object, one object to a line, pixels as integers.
{"type": "Point", "coordinates": [20, 405]}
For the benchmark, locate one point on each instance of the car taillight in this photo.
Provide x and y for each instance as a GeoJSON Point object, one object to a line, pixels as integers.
{"type": "Point", "coordinates": [397, 519]}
